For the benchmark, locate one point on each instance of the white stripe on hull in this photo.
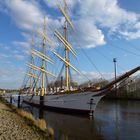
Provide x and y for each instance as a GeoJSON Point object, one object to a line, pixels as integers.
{"type": "Point", "coordinates": [77, 101]}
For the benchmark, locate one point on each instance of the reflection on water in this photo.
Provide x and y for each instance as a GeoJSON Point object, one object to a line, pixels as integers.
{"type": "Point", "coordinates": [69, 127]}
{"type": "Point", "coordinates": [74, 128]}
{"type": "Point", "coordinates": [122, 119]}
{"type": "Point", "coordinates": [113, 120]}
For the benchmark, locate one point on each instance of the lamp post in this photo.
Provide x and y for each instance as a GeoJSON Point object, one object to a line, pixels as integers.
{"type": "Point", "coordinates": [115, 72]}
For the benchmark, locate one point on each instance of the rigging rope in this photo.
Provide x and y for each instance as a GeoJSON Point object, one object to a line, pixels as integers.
{"type": "Point", "coordinates": [124, 49]}
{"type": "Point", "coordinates": [108, 59]}
{"type": "Point", "coordinates": [92, 63]}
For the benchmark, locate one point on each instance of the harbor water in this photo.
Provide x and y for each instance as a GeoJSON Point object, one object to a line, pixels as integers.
{"type": "Point", "coordinates": [113, 120]}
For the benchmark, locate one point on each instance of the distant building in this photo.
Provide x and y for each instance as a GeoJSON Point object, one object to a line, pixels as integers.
{"type": "Point", "coordinates": [2, 91]}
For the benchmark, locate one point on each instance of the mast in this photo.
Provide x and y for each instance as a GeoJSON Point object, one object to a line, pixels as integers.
{"type": "Point", "coordinates": [67, 46]}
{"type": "Point", "coordinates": [41, 54]}
{"type": "Point", "coordinates": [67, 82]}
{"type": "Point", "coordinates": [43, 61]}
{"type": "Point", "coordinates": [32, 62]}
{"type": "Point", "coordinates": [30, 73]}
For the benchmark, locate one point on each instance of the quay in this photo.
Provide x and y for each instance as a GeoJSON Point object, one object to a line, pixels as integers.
{"type": "Point", "coordinates": [15, 127]}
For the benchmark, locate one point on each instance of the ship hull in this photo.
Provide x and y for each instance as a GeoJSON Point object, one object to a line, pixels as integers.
{"type": "Point", "coordinates": [78, 103]}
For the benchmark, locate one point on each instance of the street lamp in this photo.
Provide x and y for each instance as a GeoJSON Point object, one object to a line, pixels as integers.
{"type": "Point", "coordinates": [115, 61]}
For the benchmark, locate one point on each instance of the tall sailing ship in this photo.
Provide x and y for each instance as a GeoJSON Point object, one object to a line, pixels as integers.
{"type": "Point", "coordinates": [63, 97]}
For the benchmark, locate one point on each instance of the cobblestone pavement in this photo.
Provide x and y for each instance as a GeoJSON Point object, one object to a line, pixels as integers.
{"type": "Point", "coordinates": [13, 127]}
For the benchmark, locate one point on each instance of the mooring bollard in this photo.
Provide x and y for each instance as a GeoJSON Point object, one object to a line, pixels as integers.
{"type": "Point", "coordinates": [91, 111]}
{"type": "Point", "coordinates": [41, 101]}
{"type": "Point", "coordinates": [18, 105]}
{"type": "Point", "coordinates": [41, 113]}
{"type": "Point", "coordinates": [11, 99]}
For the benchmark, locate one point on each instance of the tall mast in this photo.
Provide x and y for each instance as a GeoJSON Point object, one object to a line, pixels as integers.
{"type": "Point", "coordinates": [43, 61]}
{"type": "Point", "coordinates": [42, 55]}
{"type": "Point", "coordinates": [67, 84]}
{"type": "Point", "coordinates": [32, 62]}
{"type": "Point", "coordinates": [67, 46]}
{"type": "Point", "coordinates": [30, 73]}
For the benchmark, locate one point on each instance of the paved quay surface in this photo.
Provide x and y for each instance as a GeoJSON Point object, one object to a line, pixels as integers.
{"type": "Point", "coordinates": [13, 127]}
